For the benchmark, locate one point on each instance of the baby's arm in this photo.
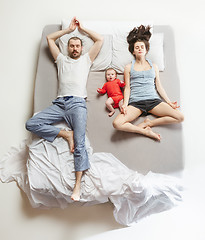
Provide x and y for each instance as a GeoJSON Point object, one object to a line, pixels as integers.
{"type": "Point", "coordinates": [121, 84]}
{"type": "Point", "coordinates": [102, 90]}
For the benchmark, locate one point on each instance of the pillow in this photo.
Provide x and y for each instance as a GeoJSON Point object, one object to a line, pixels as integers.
{"type": "Point", "coordinates": [104, 58]}
{"type": "Point", "coordinates": [122, 56]}
{"type": "Point", "coordinates": [156, 52]}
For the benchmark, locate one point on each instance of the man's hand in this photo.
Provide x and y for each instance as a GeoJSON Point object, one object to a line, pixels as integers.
{"type": "Point", "coordinates": [97, 38]}
{"type": "Point", "coordinates": [73, 24]}
{"type": "Point", "coordinates": [79, 24]}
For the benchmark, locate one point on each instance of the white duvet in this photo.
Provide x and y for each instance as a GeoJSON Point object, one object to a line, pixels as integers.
{"type": "Point", "coordinates": [45, 172]}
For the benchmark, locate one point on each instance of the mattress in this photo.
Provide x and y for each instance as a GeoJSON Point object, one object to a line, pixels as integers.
{"type": "Point", "coordinates": [164, 156]}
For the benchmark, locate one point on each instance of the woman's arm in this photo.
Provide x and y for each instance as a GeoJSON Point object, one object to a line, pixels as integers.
{"type": "Point", "coordinates": [127, 88]}
{"type": "Point", "coordinates": [161, 90]}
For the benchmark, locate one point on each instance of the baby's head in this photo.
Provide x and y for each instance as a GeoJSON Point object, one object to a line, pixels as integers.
{"type": "Point", "coordinates": [110, 74]}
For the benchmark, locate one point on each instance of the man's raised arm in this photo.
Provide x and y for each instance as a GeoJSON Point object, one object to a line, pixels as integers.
{"type": "Point", "coordinates": [51, 38]}
{"type": "Point", "coordinates": [97, 38]}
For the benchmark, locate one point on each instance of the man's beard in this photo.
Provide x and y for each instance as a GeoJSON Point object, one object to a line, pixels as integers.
{"type": "Point", "coordinates": [75, 54]}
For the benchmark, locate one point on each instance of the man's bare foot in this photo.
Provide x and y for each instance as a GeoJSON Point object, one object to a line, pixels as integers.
{"type": "Point", "coordinates": [145, 123]}
{"type": "Point", "coordinates": [151, 134]}
{"type": "Point", "coordinates": [68, 136]}
{"type": "Point", "coordinates": [111, 113]}
{"type": "Point", "coordinates": [76, 193]}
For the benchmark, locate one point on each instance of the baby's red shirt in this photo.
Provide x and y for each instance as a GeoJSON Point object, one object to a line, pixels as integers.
{"type": "Point", "coordinates": [112, 88]}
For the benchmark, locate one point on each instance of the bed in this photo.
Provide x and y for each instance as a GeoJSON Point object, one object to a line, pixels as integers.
{"type": "Point", "coordinates": [163, 157]}
{"type": "Point", "coordinates": [126, 169]}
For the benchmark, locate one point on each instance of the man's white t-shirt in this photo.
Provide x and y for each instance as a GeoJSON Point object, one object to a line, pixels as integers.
{"type": "Point", "coordinates": [73, 75]}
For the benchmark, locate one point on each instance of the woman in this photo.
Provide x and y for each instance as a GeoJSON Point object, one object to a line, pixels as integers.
{"type": "Point", "coordinates": [142, 86]}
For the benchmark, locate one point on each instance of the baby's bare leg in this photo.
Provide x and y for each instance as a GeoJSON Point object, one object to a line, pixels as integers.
{"type": "Point", "coordinates": [109, 104]}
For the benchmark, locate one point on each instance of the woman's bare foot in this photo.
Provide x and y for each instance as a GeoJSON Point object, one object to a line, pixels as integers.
{"type": "Point", "coordinates": [111, 113]}
{"type": "Point", "coordinates": [76, 193]}
{"type": "Point", "coordinates": [145, 123]}
{"type": "Point", "coordinates": [149, 133]}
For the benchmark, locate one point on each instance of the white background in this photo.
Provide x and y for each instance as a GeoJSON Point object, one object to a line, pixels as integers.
{"type": "Point", "coordinates": [21, 24]}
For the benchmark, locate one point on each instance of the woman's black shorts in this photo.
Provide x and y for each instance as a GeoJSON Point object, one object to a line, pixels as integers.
{"type": "Point", "coordinates": [146, 105]}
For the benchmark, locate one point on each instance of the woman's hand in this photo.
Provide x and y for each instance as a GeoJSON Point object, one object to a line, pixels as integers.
{"type": "Point", "coordinates": [173, 105]}
{"type": "Point", "coordinates": [123, 109]}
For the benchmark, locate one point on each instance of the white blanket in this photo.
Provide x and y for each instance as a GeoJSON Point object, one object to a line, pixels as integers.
{"type": "Point", "coordinates": [45, 172]}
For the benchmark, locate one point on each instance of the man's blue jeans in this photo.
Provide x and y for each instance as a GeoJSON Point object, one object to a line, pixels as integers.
{"type": "Point", "coordinates": [74, 112]}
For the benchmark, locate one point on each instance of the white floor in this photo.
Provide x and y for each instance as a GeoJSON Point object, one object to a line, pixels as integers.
{"type": "Point", "coordinates": [185, 221]}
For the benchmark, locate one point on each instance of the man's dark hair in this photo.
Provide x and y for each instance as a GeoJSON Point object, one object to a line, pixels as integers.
{"type": "Point", "coordinates": [76, 38]}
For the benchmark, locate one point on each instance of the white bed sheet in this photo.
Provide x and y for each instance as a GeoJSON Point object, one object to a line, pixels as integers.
{"type": "Point", "coordinates": [45, 172]}
{"type": "Point", "coordinates": [185, 221]}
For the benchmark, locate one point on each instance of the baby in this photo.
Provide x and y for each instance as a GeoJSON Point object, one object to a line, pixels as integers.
{"type": "Point", "coordinates": [112, 87]}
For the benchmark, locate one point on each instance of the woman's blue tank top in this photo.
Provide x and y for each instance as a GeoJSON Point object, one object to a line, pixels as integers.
{"type": "Point", "coordinates": [142, 84]}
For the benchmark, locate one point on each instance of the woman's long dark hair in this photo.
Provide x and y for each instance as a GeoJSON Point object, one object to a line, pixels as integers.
{"type": "Point", "coordinates": [140, 34]}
